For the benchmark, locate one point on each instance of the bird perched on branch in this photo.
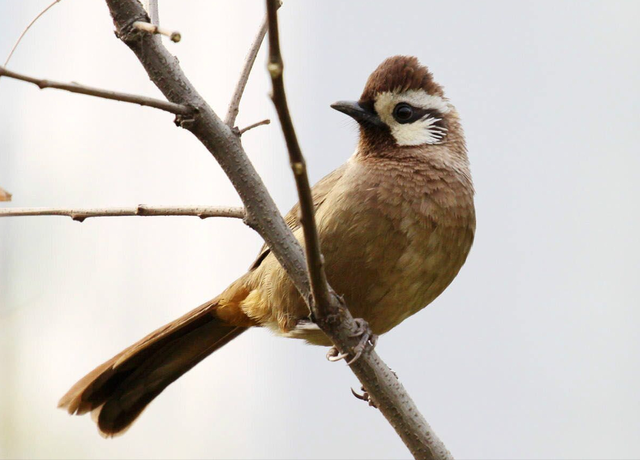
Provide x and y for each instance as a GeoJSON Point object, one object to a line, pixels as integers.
{"type": "Point", "coordinates": [396, 223]}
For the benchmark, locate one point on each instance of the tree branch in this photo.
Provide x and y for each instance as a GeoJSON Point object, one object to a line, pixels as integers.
{"type": "Point", "coordinates": [234, 105]}
{"type": "Point", "coordinates": [24, 32]}
{"type": "Point", "coordinates": [143, 210]}
{"type": "Point", "coordinates": [154, 14]}
{"type": "Point", "coordinates": [178, 109]}
{"type": "Point", "coordinates": [174, 35]}
{"type": "Point", "coordinates": [221, 141]}
{"type": "Point", "coordinates": [323, 302]}
{"type": "Point", "coordinates": [253, 125]}
{"type": "Point", "coordinates": [330, 314]}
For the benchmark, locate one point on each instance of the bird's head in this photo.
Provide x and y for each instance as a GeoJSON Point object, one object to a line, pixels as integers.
{"type": "Point", "coordinates": [401, 106]}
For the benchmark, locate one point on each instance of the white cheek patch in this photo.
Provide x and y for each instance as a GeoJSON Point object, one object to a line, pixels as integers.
{"type": "Point", "coordinates": [419, 132]}
{"type": "Point", "coordinates": [423, 131]}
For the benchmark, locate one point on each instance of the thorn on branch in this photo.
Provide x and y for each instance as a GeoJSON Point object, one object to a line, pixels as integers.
{"type": "Point", "coordinates": [174, 35]}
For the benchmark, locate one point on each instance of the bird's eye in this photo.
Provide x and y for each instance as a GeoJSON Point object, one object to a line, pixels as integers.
{"type": "Point", "coordinates": [403, 112]}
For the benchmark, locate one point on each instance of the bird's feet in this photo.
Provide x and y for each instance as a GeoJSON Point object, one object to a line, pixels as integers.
{"type": "Point", "coordinates": [366, 338]}
{"type": "Point", "coordinates": [365, 394]}
{"type": "Point", "coordinates": [364, 397]}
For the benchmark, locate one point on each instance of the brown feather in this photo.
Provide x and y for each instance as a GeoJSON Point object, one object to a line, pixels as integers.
{"type": "Point", "coordinates": [400, 73]}
{"type": "Point", "coordinates": [118, 390]}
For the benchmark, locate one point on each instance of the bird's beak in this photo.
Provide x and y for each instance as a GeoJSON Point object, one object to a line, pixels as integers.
{"type": "Point", "coordinates": [359, 112]}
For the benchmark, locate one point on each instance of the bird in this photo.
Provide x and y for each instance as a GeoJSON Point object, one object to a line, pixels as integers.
{"type": "Point", "coordinates": [396, 223]}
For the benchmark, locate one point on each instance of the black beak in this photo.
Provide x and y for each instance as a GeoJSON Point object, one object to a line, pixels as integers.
{"type": "Point", "coordinates": [359, 112]}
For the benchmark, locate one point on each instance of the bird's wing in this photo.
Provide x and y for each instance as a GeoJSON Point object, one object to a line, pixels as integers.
{"type": "Point", "coordinates": [319, 193]}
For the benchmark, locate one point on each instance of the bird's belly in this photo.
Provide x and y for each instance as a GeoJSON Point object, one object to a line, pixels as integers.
{"type": "Point", "coordinates": [410, 275]}
{"type": "Point", "coordinates": [388, 283]}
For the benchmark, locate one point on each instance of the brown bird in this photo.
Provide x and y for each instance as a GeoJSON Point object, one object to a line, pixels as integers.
{"type": "Point", "coordinates": [396, 223]}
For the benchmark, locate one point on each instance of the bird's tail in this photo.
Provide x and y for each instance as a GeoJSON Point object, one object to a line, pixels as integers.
{"type": "Point", "coordinates": [117, 391]}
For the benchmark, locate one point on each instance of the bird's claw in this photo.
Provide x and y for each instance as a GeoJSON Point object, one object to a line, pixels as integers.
{"type": "Point", "coordinates": [334, 355]}
{"type": "Point", "coordinates": [366, 336]}
{"type": "Point", "coordinates": [364, 397]}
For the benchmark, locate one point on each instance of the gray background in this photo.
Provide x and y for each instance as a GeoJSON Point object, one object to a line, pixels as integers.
{"type": "Point", "coordinates": [531, 353]}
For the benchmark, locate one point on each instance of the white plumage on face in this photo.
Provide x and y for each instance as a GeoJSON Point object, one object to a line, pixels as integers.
{"type": "Point", "coordinates": [414, 117]}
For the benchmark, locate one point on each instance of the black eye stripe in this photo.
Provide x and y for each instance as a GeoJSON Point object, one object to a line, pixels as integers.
{"type": "Point", "coordinates": [418, 113]}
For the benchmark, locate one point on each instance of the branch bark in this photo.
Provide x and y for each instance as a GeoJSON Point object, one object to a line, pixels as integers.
{"type": "Point", "coordinates": [142, 210]}
{"type": "Point", "coordinates": [178, 109]}
{"type": "Point", "coordinates": [154, 13]}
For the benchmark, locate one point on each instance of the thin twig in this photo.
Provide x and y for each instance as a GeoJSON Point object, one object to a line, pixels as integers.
{"type": "Point", "coordinates": [322, 300]}
{"type": "Point", "coordinates": [234, 105]}
{"type": "Point", "coordinates": [254, 125]}
{"type": "Point", "coordinates": [174, 35]}
{"type": "Point", "coordinates": [154, 14]}
{"type": "Point", "coordinates": [384, 389]}
{"type": "Point", "coordinates": [143, 210]}
{"type": "Point", "coordinates": [24, 32]}
{"type": "Point", "coordinates": [178, 109]}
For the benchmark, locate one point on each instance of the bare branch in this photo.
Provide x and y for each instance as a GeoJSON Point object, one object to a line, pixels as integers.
{"type": "Point", "coordinates": [178, 109]}
{"type": "Point", "coordinates": [24, 32]}
{"type": "Point", "coordinates": [323, 300]}
{"type": "Point", "coordinates": [221, 141]}
{"type": "Point", "coordinates": [154, 14]}
{"type": "Point", "coordinates": [234, 105]}
{"type": "Point", "coordinates": [174, 35]}
{"type": "Point", "coordinates": [380, 383]}
{"type": "Point", "coordinates": [4, 195]}
{"type": "Point", "coordinates": [142, 210]}
{"type": "Point", "coordinates": [254, 125]}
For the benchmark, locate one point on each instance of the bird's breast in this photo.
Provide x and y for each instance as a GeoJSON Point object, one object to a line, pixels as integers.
{"type": "Point", "coordinates": [393, 240]}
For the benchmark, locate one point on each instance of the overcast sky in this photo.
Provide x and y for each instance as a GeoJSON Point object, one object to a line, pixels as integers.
{"type": "Point", "coordinates": [531, 353]}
